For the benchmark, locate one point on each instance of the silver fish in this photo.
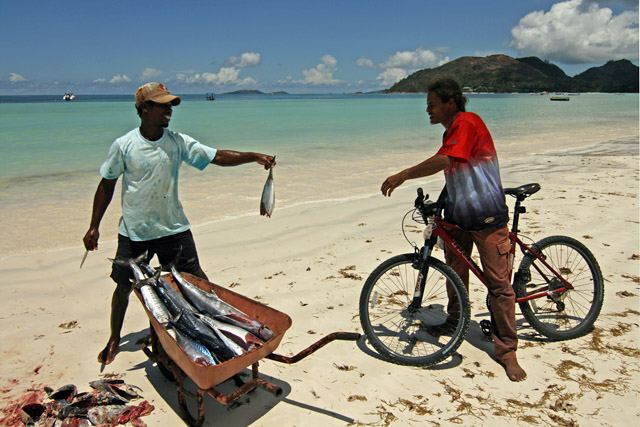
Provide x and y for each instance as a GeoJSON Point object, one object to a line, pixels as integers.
{"type": "Point", "coordinates": [237, 349]}
{"type": "Point", "coordinates": [240, 336]}
{"type": "Point", "coordinates": [178, 311]}
{"type": "Point", "coordinates": [195, 329]}
{"type": "Point", "coordinates": [132, 263]}
{"type": "Point", "coordinates": [175, 297]}
{"type": "Point", "coordinates": [210, 304]}
{"type": "Point", "coordinates": [268, 200]}
{"type": "Point", "coordinates": [152, 301]}
{"type": "Point", "coordinates": [196, 351]}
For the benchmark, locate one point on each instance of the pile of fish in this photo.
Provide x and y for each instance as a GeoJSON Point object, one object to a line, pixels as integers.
{"type": "Point", "coordinates": [106, 404]}
{"type": "Point", "coordinates": [209, 330]}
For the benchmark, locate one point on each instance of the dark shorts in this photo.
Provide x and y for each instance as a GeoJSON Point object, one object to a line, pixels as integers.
{"type": "Point", "coordinates": [166, 248]}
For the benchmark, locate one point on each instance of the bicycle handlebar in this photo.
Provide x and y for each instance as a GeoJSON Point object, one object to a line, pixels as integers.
{"type": "Point", "coordinates": [428, 208]}
{"type": "Point", "coordinates": [419, 203]}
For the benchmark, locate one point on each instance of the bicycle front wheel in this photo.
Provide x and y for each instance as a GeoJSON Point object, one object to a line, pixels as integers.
{"type": "Point", "coordinates": [421, 336]}
{"type": "Point", "coordinates": [570, 313]}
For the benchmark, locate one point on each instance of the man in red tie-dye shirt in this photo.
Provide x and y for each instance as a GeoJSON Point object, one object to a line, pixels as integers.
{"type": "Point", "coordinates": [475, 202]}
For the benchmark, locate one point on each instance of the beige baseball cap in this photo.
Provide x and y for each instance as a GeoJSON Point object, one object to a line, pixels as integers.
{"type": "Point", "coordinates": [156, 92]}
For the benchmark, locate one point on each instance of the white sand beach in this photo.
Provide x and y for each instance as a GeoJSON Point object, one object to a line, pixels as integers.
{"type": "Point", "coordinates": [310, 262]}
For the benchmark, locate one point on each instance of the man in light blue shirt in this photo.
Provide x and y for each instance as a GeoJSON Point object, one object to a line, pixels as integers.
{"type": "Point", "coordinates": [148, 158]}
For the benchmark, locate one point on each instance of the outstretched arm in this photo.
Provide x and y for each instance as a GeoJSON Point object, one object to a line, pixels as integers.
{"type": "Point", "coordinates": [101, 201]}
{"type": "Point", "coordinates": [429, 167]}
{"type": "Point", "coordinates": [235, 158]}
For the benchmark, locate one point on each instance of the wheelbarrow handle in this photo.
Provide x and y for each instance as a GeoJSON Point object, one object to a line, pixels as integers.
{"type": "Point", "coordinates": [342, 336]}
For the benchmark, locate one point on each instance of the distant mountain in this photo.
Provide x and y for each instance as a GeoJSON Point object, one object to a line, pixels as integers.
{"type": "Point", "coordinates": [502, 73]}
{"type": "Point", "coordinates": [614, 76]}
{"type": "Point", "coordinates": [253, 92]}
{"type": "Point", "coordinates": [244, 92]}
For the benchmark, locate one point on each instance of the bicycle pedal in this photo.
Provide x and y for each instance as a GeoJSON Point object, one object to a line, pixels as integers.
{"type": "Point", "coordinates": [485, 325]}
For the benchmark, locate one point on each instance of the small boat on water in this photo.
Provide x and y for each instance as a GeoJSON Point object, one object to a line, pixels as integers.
{"type": "Point", "coordinates": [559, 98]}
{"type": "Point", "coordinates": [68, 96]}
{"type": "Point", "coordinates": [210, 97]}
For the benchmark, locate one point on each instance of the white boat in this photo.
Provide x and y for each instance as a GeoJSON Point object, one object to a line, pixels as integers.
{"type": "Point", "coordinates": [68, 96]}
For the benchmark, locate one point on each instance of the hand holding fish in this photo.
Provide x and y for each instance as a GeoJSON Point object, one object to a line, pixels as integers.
{"type": "Point", "coordinates": [267, 161]}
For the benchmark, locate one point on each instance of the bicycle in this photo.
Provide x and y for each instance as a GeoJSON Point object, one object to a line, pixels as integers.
{"type": "Point", "coordinates": [558, 286]}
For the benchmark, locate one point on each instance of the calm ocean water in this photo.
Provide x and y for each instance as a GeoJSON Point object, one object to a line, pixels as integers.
{"type": "Point", "coordinates": [327, 146]}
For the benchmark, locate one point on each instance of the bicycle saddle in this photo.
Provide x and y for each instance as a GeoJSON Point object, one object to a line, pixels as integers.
{"type": "Point", "coordinates": [523, 190]}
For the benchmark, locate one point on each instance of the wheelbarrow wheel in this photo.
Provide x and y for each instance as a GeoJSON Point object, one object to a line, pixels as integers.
{"type": "Point", "coordinates": [158, 350]}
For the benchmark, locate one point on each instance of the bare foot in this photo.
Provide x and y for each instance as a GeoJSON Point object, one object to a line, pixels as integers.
{"type": "Point", "coordinates": [513, 369]}
{"type": "Point", "coordinates": [107, 355]}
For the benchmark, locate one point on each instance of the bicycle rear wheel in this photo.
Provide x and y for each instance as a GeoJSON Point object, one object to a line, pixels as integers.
{"type": "Point", "coordinates": [408, 336]}
{"type": "Point", "coordinates": [569, 314]}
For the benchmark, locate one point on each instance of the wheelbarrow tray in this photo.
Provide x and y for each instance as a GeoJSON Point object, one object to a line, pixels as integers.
{"type": "Point", "coordinates": [207, 377]}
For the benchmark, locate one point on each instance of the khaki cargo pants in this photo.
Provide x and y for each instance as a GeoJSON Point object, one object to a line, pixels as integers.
{"type": "Point", "coordinates": [493, 248]}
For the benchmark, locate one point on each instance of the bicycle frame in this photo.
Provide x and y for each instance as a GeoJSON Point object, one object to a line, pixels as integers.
{"type": "Point", "coordinates": [439, 227]}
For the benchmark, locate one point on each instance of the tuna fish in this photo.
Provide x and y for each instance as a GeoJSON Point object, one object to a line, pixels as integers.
{"type": "Point", "coordinates": [211, 305]}
{"type": "Point", "coordinates": [192, 327]}
{"type": "Point", "coordinates": [152, 300]}
{"type": "Point", "coordinates": [234, 346]}
{"type": "Point", "coordinates": [196, 351]}
{"type": "Point", "coordinates": [268, 200]}
{"type": "Point", "coordinates": [242, 337]}
{"type": "Point", "coordinates": [169, 291]}
{"type": "Point", "coordinates": [133, 263]}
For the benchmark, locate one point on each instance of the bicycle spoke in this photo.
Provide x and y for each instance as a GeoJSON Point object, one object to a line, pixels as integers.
{"type": "Point", "coordinates": [403, 333]}
{"type": "Point", "coordinates": [562, 312]}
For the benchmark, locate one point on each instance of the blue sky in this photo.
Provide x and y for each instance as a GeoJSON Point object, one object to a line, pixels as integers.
{"type": "Point", "coordinates": [323, 46]}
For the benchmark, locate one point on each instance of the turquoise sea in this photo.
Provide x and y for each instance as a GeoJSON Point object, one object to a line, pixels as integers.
{"type": "Point", "coordinates": [328, 147]}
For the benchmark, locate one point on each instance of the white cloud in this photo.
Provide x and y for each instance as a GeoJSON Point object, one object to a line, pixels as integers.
{"type": "Point", "coordinates": [391, 76]}
{"type": "Point", "coordinates": [402, 63]}
{"type": "Point", "coordinates": [286, 81]}
{"type": "Point", "coordinates": [100, 80]}
{"type": "Point", "coordinates": [578, 32]}
{"type": "Point", "coordinates": [16, 78]}
{"type": "Point", "coordinates": [246, 60]}
{"type": "Point", "coordinates": [226, 76]}
{"type": "Point", "coordinates": [150, 74]}
{"type": "Point", "coordinates": [365, 63]}
{"type": "Point", "coordinates": [119, 79]}
{"type": "Point", "coordinates": [415, 59]}
{"type": "Point", "coordinates": [322, 74]}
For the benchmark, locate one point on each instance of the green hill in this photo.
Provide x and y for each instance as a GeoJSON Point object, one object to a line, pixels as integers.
{"type": "Point", "coordinates": [502, 73]}
{"type": "Point", "coordinates": [614, 76]}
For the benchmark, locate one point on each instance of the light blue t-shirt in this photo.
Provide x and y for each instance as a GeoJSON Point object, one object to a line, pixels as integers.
{"type": "Point", "coordinates": [150, 205]}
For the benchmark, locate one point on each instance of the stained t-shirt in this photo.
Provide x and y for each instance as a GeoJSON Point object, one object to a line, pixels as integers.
{"type": "Point", "coordinates": [475, 199]}
{"type": "Point", "coordinates": [150, 205]}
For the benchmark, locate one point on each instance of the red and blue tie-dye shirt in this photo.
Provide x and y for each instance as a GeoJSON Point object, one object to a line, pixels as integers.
{"type": "Point", "coordinates": [475, 199]}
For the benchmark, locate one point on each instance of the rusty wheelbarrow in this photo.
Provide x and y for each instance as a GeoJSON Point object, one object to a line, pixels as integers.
{"type": "Point", "coordinates": [175, 363]}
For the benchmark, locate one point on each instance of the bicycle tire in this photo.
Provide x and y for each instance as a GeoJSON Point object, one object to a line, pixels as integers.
{"type": "Point", "coordinates": [570, 314]}
{"type": "Point", "coordinates": [403, 336]}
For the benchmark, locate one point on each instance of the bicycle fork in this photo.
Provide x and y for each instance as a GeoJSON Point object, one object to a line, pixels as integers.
{"type": "Point", "coordinates": [420, 263]}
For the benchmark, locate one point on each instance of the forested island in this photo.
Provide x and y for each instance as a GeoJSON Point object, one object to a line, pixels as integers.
{"type": "Point", "coordinates": [502, 73]}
